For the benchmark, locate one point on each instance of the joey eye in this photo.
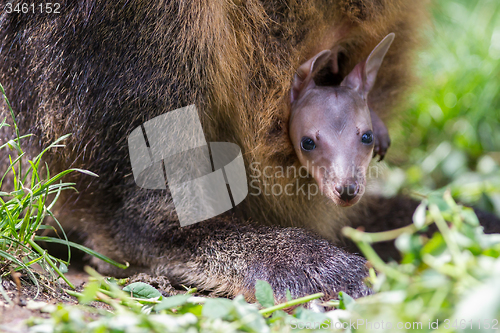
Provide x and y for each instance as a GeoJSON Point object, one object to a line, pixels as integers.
{"type": "Point", "coordinates": [307, 144]}
{"type": "Point", "coordinates": [367, 138]}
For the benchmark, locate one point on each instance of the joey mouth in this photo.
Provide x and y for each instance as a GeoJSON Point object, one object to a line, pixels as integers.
{"type": "Point", "coordinates": [343, 194]}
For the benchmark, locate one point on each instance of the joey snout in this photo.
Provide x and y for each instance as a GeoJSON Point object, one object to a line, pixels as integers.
{"type": "Point", "coordinates": [343, 192]}
{"type": "Point", "coordinates": [347, 191]}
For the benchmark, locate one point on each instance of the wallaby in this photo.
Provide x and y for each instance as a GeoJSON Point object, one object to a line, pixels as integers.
{"type": "Point", "coordinates": [102, 68]}
{"type": "Point", "coordinates": [333, 130]}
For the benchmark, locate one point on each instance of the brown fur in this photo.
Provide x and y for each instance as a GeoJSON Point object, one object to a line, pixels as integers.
{"type": "Point", "coordinates": [100, 69]}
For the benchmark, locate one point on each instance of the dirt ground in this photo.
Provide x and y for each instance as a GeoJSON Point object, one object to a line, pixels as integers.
{"type": "Point", "coordinates": [23, 306]}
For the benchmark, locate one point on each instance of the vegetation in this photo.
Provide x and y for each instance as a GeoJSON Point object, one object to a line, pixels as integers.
{"type": "Point", "coordinates": [447, 283]}
{"type": "Point", "coordinates": [445, 151]}
{"type": "Point", "coordinates": [450, 136]}
{"type": "Point", "coordinates": [28, 193]}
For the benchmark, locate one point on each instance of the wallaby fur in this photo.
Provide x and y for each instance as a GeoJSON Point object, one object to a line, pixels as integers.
{"type": "Point", "coordinates": [101, 68]}
{"type": "Point", "coordinates": [331, 128]}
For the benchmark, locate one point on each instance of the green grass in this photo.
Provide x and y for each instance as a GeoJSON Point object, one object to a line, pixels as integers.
{"type": "Point", "coordinates": [26, 201]}
{"type": "Point", "coordinates": [451, 130]}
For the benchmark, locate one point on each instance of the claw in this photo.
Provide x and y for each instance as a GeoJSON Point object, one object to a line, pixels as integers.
{"type": "Point", "coordinates": [381, 148]}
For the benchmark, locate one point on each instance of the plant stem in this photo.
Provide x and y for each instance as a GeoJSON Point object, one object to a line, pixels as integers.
{"type": "Point", "coordinates": [38, 249]}
{"type": "Point", "coordinates": [363, 240]}
{"type": "Point", "coordinates": [288, 304]}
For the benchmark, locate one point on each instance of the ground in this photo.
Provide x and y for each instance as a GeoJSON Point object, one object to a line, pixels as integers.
{"type": "Point", "coordinates": [13, 316]}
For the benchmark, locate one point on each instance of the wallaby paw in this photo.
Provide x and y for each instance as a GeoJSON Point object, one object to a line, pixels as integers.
{"type": "Point", "coordinates": [328, 277]}
{"type": "Point", "coordinates": [306, 265]}
{"type": "Point", "coordinates": [382, 144]}
{"type": "Point", "coordinates": [382, 141]}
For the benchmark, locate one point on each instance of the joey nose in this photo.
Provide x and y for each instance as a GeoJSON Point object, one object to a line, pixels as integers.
{"type": "Point", "coordinates": [347, 192]}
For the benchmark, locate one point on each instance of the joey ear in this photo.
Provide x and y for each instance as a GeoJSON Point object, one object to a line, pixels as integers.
{"type": "Point", "coordinates": [375, 59]}
{"type": "Point", "coordinates": [302, 80]}
{"type": "Point", "coordinates": [362, 77]}
{"type": "Point", "coordinates": [334, 59]}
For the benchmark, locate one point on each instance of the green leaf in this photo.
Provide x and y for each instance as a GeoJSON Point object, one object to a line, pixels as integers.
{"type": "Point", "coordinates": [13, 145]}
{"type": "Point", "coordinates": [194, 309]}
{"type": "Point", "coordinates": [470, 216]}
{"type": "Point", "coordinates": [142, 290]}
{"type": "Point", "coordinates": [264, 293]}
{"type": "Point", "coordinates": [437, 199]}
{"type": "Point", "coordinates": [63, 268]}
{"type": "Point", "coordinates": [419, 215]}
{"type": "Point", "coordinates": [171, 302]}
{"type": "Point", "coordinates": [435, 246]}
{"type": "Point", "coordinates": [81, 248]}
{"type": "Point", "coordinates": [89, 293]}
{"type": "Point", "coordinates": [314, 319]}
{"type": "Point", "coordinates": [280, 317]}
{"type": "Point", "coordinates": [346, 301]}
{"type": "Point", "coordinates": [43, 227]}
{"type": "Point", "coordinates": [250, 318]}
{"type": "Point", "coordinates": [218, 308]}
{"type": "Point", "coordinates": [87, 172]}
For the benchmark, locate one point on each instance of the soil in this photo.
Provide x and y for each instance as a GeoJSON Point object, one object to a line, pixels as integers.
{"type": "Point", "coordinates": [25, 303]}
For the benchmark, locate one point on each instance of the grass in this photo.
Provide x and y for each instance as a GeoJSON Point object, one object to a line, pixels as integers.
{"type": "Point", "coordinates": [450, 136]}
{"type": "Point", "coordinates": [26, 201]}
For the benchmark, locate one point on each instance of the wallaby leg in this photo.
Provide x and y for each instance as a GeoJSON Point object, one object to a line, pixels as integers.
{"type": "Point", "coordinates": [230, 258]}
{"type": "Point", "coordinates": [227, 258]}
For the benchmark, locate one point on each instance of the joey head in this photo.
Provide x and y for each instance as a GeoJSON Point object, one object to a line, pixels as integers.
{"type": "Point", "coordinates": [333, 130]}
